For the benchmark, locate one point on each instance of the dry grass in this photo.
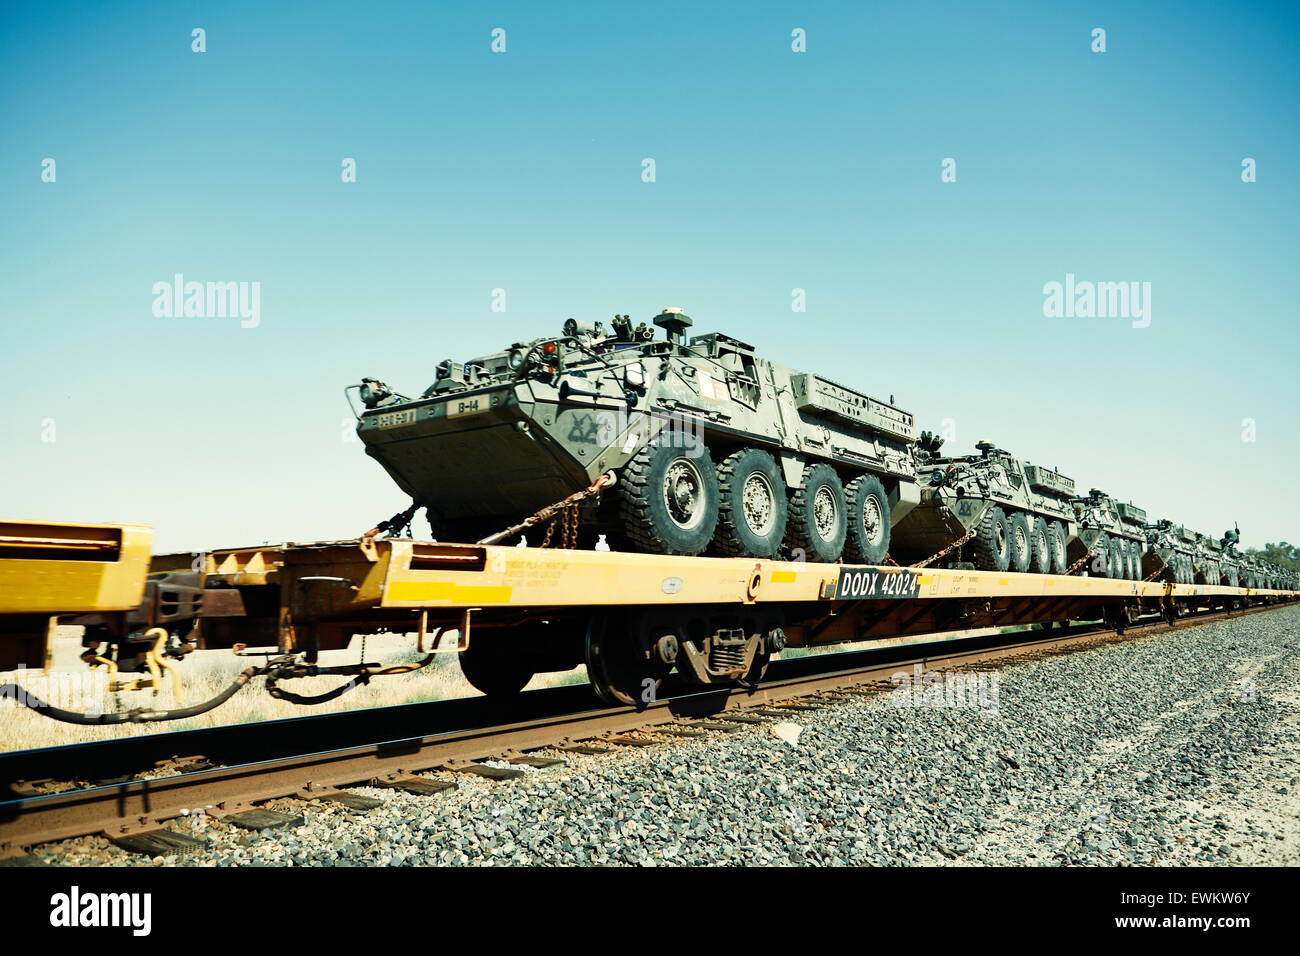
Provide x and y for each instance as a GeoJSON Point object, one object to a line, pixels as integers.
{"type": "Point", "coordinates": [206, 673]}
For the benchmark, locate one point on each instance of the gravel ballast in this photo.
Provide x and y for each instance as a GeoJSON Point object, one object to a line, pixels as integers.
{"type": "Point", "coordinates": [1175, 749]}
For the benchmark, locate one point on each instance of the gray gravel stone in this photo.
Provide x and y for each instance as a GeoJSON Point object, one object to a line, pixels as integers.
{"type": "Point", "coordinates": [1147, 752]}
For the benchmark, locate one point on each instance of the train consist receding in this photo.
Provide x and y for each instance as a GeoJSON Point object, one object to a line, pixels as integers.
{"type": "Point", "coordinates": [748, 507]}
{"type": "Point", "coordinates": [715, 450]}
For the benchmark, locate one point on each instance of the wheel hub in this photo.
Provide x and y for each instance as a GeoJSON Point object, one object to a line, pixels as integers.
{"type": "Point", "coordinates": [824, 513]}
{"type": "Point", "coordinates": [873, 525]}
{"type": "Point", "coordinates": [758, 502]}
{"type": "Point", "coordinates": [683, 494]}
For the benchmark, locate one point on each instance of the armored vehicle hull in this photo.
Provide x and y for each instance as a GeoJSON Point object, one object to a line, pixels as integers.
{"type": "Point", "coordinates": [710, 447]}
{"type": "Point", "coordinates": [1010, 515]}
{"type": "Point", "coordinates": [1114, 533]}
{"type": "Point", "coordinates": [1207, 563]}
{"type": "Point", "coordinates": [1170, 553]}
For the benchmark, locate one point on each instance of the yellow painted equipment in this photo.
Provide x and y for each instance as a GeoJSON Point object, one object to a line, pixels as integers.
{"type": "Point", "coordinates": [338, 588]}
{"type": "Point", "coordinates": [48, 569]}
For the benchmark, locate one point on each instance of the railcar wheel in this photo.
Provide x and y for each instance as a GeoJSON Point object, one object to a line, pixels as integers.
{"type": "Point", "coordinates": [668, 496]}
{"type": "Point", "coordinates": [758, 668]}
{"type": "Point", "coordinates": [1060, 563]}
{"type": "Point", "coordinates": [1040, 558]}
{"type": "Point", "coordinates": [620, 662]}
{"type": "Point", "coordinates": [496, 664]}
{"type": "Point", "coordinates": [752, 506]}
{"type": "Point", "coordinates": [868, 536]}
{"type": "Point", "coordinates": [818, 523]}
{"type": "Point", "coordinates": [1022, 548]}
{"type": "Point", "coordinates": [992, 541]}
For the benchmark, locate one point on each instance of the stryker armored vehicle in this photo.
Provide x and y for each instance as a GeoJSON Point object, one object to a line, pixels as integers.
{"type": "Point", "coordinates": [710, 446]}
{"type": "Point", "coordinates": [1020, 513]}
{"type": "Point", "coordinates": [1170, 553]}
{"type": "Point", "coordinates": [1207, 562]}
{"type": "Point", "coordinates": [1114, 532]}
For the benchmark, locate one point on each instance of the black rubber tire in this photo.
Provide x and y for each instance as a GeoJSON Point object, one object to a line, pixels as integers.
{"type": "Point", "coordinates": [1040, 541]}
{"type": "Point", "coordinates": [1118, 559]}
{"type": "Point", "coordinates": [437, 525]}
{"type": "Point", "coordinates": [865, 496]}
{"type": "Point", "coordinates": [734, 535]}
{"type": "Point", "coordinates": [496, 664]}
{"type": "Point", "coordinates": [1135, 550]}
{"type": "Point", "coordinates": [1100, 550]}
{"type": "Point", "coordinates": [1060, 559]}
{"type": "Point", "coordinates": [993, 529]}
{"type": "Point", "coordinates": [643, 508]}
{"type": "Point", "coordinates": [1020, 545]}
{"type": "Point", "coordinates": [801, 528]}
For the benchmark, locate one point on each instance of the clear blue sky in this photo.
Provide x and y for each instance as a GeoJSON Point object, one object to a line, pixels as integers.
{"type": "Point", "coordinates": [522, 171]}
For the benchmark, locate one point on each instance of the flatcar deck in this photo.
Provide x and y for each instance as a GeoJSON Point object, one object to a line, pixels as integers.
{"type": "Point", "coordinates": [343, 586]}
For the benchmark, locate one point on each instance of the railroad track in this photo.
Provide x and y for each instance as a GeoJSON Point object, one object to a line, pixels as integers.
{"type": "Point", "coordinates": [132, 811]}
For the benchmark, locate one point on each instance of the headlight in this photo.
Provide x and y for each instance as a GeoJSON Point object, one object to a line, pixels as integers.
{"type": "Point", "coordinates": [515, 359]}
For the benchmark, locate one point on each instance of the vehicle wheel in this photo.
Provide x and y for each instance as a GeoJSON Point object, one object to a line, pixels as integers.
{"type": "Point", "coordinates": [1022, 548]}
{"type": "Point", "coordinates": [992, 541]}
{"type": "Point", "coordinates": [1040, 558]}
{"type": "Point", "coordinates": [437, 525]}
{"type": "Point", "coordinates": [668, 496]}
{"type": "Point", "coordinates": [1060, 563]}
{"type": "Point", "coordinates": [1135, 550]}
{"type": "Point", "coordinates": [752, 505]}
{"type": "Point", "coordinates": [1118, 559]}
{"type": "Point", "coordinates": [869, 529]}
{"type": "Point", "coordinates": [818, 523]}
{"type": "Point", "coordinates": [1099, 564]}
{"type": "Point", "coordinates": [496, 664]}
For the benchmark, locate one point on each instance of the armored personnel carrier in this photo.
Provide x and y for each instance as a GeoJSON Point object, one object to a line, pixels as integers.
{"type": "Point", "coordinates": [1019, 513]}
{"type": "Point", "coordinates": [1114, 532]}
{"type": "Point", "coordinates": [1170, 552]}
{"type": "Point", "coordinates": [710, 446]}
{"type": "Point", "coordinates": [1207, 563]}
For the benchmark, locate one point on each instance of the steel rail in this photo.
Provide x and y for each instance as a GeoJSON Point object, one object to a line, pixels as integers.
{"type": "Point", "coordinates": [138, 805]}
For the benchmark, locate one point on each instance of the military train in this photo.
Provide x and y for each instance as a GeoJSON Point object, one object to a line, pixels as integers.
{"type": "Point", "coordinates": [680, 446]}
{"type": "Point", "coordinates": [713, 449]}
